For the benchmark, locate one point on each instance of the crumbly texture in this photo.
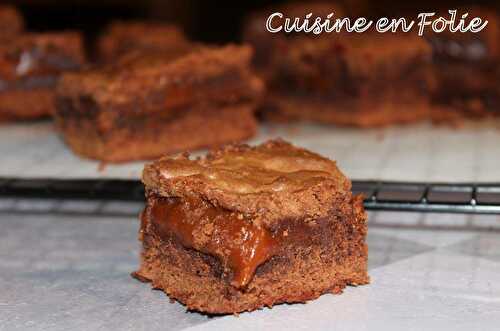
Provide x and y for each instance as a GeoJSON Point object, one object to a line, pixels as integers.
{"type": "Point", "coordinates": [364, 80]}
{"type": "Point", "coordinates": [467, 67]}
{"type": "Point", "coordinates": [122, 38]}
{"type": "Point", "coordinates": [30, 66]}
{"type": "Point", "coordinates": [299, 199]}
{"type": "Point", "coordinates": [149, 106]}
{"type": "Point", "coordinates": [11, 21]}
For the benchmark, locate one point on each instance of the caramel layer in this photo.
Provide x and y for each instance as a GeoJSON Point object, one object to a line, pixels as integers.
{"type": "Point", "coordinates": [239, 244]}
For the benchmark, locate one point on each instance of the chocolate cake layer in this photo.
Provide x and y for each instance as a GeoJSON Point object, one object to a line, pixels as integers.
{"type": "Point", "coordinates": [248, 227]}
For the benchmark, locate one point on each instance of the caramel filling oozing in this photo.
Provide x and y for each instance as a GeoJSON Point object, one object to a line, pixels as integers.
{"type": "Point", "coordinates": [240, 245]}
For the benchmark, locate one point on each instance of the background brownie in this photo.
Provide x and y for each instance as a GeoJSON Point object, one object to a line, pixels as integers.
{"type": "Point", "coordinates": [30, 66]}
{"type": "Point", "coordinates": [123, 37]}
{"type": "Point", "coordinates": [357, 80]}
{"type": "Point", "coordinates": [467, 68]}
{"type": "Point", "coordinates": [268, 44]}
{"type": "Point", "coordinates": [148, 106]}
{"type": "Point", "coordinates": [249, 227]}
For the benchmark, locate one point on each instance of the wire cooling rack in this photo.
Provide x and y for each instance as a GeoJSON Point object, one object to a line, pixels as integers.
{"type": "Point", "coordinates": [389, 196]}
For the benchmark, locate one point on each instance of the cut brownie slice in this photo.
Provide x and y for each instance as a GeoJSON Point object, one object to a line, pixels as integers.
{"type": "Point", "coordinates": [11, 21]}
{"type": "Point", "coordinates": [248, 227]}
{"type": "Point", "coordinates": [355, 80]}
{"type": "Point", "coordinates": [124, 37]}
{"type": "Point", "coordinates": [145, 107]}
{"type": "Point", "coordinates": [467, 66]}
{"type": "Point", "coordinates": [30, 66]}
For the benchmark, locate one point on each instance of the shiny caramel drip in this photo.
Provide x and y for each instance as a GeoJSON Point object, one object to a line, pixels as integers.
{"type": "Point", "coordinates": [238, 243]}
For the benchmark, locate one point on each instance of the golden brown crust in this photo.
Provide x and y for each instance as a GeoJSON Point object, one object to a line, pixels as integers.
{"type": "Point", "coordinates": [272, 181]}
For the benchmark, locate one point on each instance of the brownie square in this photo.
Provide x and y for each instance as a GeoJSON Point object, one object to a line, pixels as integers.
{"type": "Point", "coordinates": [30, 66]}
{"type": "Point", "coordinates": [121, 38]}
{"type": "Point", "coordinates": [362, 80]}
{"type": "Point", "coordinates": [467, 66]}
{"type": "Point", "coordinates": [145, 107]}
{"type": "Point", "coordinates": [248, 227]}
{"type": "Point", "coordinates": [267, 44]}
{"type": "Point", "coordinates": [11, 21]}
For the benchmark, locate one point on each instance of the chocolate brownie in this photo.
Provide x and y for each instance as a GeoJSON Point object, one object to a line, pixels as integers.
{"type": "Point", "coordinates": [267, 44]}
{"type": "Point", "coordinates": [123, 37]}
{"type": "Point", "coordinates": [145, 107]}
{"type": "Point", "coordinates": [467, 68]}
{"type": "Point", "coordinates": [30, 66]}
{"type": "Point", "coordinates": [363, 80]}
{"type": "Point", "coordinates": [11, 21]}
{"type": "Point", "coordinates": [248, 227]}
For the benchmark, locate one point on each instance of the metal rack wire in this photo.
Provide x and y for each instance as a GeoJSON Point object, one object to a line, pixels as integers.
{"type": "Point", "coordinates": [389, 196]}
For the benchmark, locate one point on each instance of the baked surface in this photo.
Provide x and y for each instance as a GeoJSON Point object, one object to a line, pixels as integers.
{"type": "Point", "coordinates": [355, 80]}
{"type": "Point", "coordinates": [30, 66]}
{"type": "Point", "coordinates": [248, 227]}
{"type": "Point", "coordinates": [122, 37]}
{"type": "Point", "coordinates": [145, 107]}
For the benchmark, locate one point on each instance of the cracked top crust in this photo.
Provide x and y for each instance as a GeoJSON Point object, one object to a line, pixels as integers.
{"type": "Point", "coordinates": [269, 182]}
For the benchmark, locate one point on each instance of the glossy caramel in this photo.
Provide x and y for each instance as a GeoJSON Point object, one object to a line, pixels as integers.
{"type": "Point", "coordinates": [240, 245]}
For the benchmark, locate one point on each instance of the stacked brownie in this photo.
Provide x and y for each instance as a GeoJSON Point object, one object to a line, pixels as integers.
{"type": "Point", "coordinates": [147, 106]}
{"type": "Point", "coordinates": [248, 227]}
{"type": "Point", "coordinates": [467, 66]}
{"type": "Point", "coordinates": [348, 79]}
{"type": "Point", "coordinates": [355, 80]}
{"type": "Point", "coordinates": [30, 66]}
{"type": "Point", "coordinates": [122, 38]}
{"type": "Point", "coordinates": [267, 45]}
